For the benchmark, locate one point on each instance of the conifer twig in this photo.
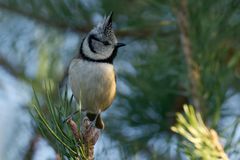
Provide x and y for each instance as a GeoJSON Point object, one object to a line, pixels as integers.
{"type": "Point", "coordinates": [64, 23]}
{"type": "Point", "coordinates": [203, 142]}
{"type": "Point", "coordinates": [67, 141]}
{"type": "Point", "coordinates": [90, 136]}
{"type": "Point", "coordinates": [74, 129]}
{"type": "Point", "coordinates": [193, 69]}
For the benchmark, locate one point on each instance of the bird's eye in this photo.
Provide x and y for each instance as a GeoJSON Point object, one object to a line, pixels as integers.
{"type": "Point", "coordinates": [106, 43]}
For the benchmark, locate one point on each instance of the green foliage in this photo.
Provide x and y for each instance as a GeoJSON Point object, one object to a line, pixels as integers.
{"type": "Point", "coordinates": [203, 143]}
{"type": "Point", "coordinates": [159, 87]}
{"type": "Point", "coordinates": [50, 123]}
{"type": "Point", "coordinates": [214, 41]}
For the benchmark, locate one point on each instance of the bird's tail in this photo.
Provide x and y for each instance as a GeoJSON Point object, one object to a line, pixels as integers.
{"type": "Point", "coordinates": [99, 122]}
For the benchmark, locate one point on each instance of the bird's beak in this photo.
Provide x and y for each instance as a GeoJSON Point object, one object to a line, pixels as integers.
{"type": "Point", "coordinates": [118, 45]}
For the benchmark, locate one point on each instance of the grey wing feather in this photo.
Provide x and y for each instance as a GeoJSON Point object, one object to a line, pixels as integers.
{"type": "Point", "coordinates": [64, 79]}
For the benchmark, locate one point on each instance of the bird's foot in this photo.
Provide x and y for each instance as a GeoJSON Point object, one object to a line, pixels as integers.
{"type": "Point", "coordinates": [96, 120]}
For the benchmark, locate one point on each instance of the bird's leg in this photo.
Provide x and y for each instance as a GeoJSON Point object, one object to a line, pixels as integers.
{"type": "Point", "coordinates": [92, 118]}
{"type": "Point", "coordinates": [95, 118]}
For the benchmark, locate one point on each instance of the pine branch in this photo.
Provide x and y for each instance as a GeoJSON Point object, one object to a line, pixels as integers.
{"type": "Point", "coordinates": [43, 19]}
{"type": "Point", "coordinates": [15, 71]}
{"type": "Point", "coordinates": [192, 66]}
{"type": "Point", "coordinates": [32, 147]}
{"type": "Point", "coordinates": [66, 24]}
{"type": "Point", "coordinates": [67, 140]}
{"type": "Point", "coordinates": [202, 142]}
{"type": "Point", "coordinates": [89, 135]}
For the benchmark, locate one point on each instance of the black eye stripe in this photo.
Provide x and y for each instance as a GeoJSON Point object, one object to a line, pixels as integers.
{"type": "Point", "coordinates": [95, 38]}
{"type": "Point", "coordinates": [91, 37]}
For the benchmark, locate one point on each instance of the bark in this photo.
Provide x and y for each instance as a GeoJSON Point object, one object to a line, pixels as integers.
{"type": "Point", "coordinates": [192, 66]}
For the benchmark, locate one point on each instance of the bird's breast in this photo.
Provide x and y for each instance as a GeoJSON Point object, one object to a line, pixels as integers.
{"type": "Point", "coordinates": [93, 84]}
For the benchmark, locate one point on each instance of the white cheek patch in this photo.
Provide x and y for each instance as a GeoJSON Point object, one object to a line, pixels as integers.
{"type": "Point", "coordinates": [96, 56]}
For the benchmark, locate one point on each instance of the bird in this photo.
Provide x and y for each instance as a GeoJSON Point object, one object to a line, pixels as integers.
{"type": "Point", "coordinates": [91, 73]}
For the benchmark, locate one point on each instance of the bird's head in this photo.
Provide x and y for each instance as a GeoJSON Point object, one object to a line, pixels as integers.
{"type": "Point", "coordinates": [101, 43]}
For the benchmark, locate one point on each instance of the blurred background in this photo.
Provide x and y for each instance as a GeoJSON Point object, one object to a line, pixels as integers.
{"type": "Point", "coordinates": [178, 52]}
